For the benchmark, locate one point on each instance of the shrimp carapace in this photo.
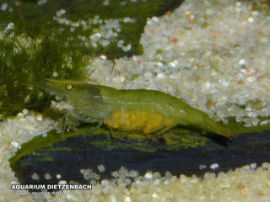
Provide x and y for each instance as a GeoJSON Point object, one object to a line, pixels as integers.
{"type": "Point", "coordinates": [143, 110]}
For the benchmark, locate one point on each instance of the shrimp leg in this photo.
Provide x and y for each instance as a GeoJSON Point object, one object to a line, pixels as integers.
{"type": "Point", "coordinates": [96, 128]}
{"type": "Point", "coordinates": [165, 129]}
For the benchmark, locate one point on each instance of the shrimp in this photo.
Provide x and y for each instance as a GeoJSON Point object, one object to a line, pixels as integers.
{"type": "Point", "coordinates": [148, 111]}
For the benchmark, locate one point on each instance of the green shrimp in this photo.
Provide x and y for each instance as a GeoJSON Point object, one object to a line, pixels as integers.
{"type": "Point", "coordinates": [148, 111]}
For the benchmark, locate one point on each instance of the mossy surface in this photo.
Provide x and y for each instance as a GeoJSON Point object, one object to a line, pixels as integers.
{"type": "Point", "coordinates": [46, 38]}
{"type": "Point", "coordinates": [119, 140]}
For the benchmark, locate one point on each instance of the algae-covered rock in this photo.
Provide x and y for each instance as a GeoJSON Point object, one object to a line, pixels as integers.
{"type": "Point", "coordinates": [79, 156]}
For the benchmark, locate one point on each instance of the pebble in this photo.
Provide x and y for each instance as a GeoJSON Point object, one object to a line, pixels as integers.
{"type": "Point", "coordinates": [58, 176]}
{"type": "Point", "coordinates": [214, 166]}
{"type": "Point", "coordinates": [201, 167]}
{"type": "Point", "coordinates": [105, 182]}
{"type": "Point", "coordinates": [35, 176]}
{"type": "Point", "coordinates": [62, 182]}
{"type": "Point", "coordinates": [148, 176]}
{"type": "Point", "coordinates": [47, 176]}
{"type": "Point", "coordinates": [25, 112]}
{"type": "Point", "coordinates": [115, 174]}
{"type": "Point", "coordinates": [168, 174]}
{"type": "Point", "coordinates": [154, 195]}
{"type": "Point", "coordinates": [15, 144]}
{"type": "Point", "coordinates": [132, 173]}
{"type": "Point", "coordinates": [101, 168]}
{"type": "Point", "coordinates": [127, 199]}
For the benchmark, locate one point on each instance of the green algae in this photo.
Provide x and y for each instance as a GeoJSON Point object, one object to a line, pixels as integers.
{"type": "Point", "coordinates": [22, 69]}
{"type": "Point", "coordinates": [239, 128]}
{"type": "Point", "coordinates": [103, 139]}
{"type": "Point", "coordinates": [184, 138]}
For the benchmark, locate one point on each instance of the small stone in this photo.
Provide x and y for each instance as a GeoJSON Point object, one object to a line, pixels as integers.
{"type": "Point", "coordinates": [39, 117]}
{"type": "Point", "coordinates": [242, 62]}
{"type": "Point", "coordinates": [148, 176]}
{"type": "Point", "coordinates": [127, 182]}
{"type": "Point", "coordinates": [174, 63]}
{"type": "Point", "coordinates": [103, 57]}
{"type": "Point", "coordinates": [243, 191]}
{"type": "Point", "coordinates": [106, 2]}
{"type": "Point", "coordinates": [225, 185]}
{"type": "Point", "coordinates": [201, 167]}
{"type": "Point", "coordinates": [93, 182]}
{"type": "Point", "coordinates": [183, 179]}
{"type": "Point", "coordinates": [115, 174]}
{"type": "Point", "coordinates": [25, 112]}
{"type": "Point", "coordinates": [58, 176]}
{"type": "Point", "coordinates": [112, 199]}
{"type": "Point", "coordinates": [60, 12]}
{"type": "Point", "coordinates": [214, 166]}
{"type": "Point", "coordinates": [194, 180]}
{"type": "Point", "coordinates": [127, 199]}
{"type": "Point", "coordinates": [35, 176]}
{"type": "Point", "coordinates": [253, 166]}
{"type": "Point", "coordinates": [157, 182]}
{"type": "Point", "coordinates": [251, 79]}
{"type": "Point", "coordinates": [4, 7]}
{"type": "Point", "coordinates": [20, 115]}
{"type": "Point", "coordinates": [168, 174]}
{"type": "Point", "coordinates": [101, 168]}
{"type": "Point", "coordinates": [47, 176]}
{"type": "Point", "coordinates": [251, 19]}
{"type": "Point", "coordinates": [206, 85]}
{"type": "Point", "coordinates": [266, 165]}
{"type": "Point", "coordinates": [132, 173]}
{"type": "Point", "coordinates": [55, 74]}
{"type": "Point", "coordinates": [154, 195]}
{"type": "Point", "coordinates": [62, 182]}
{"type": "Point", "coordinates": [160, 75]}
{"type": "Point", "coordinates": [105, 183]}
{"type": "Point", "coordinates": [122, 79]}
{"type": "Point", "coordinates": [15, 144]}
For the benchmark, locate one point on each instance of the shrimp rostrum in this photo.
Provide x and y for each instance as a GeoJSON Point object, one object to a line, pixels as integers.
{"type": "Point", "coordinates": [148, 111]}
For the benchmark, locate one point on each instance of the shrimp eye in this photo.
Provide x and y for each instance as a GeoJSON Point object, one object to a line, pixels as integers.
{"type": "Point", "coordinates": [68, 86]}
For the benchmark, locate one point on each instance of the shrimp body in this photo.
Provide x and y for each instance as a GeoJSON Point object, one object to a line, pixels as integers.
{"type": "Point", "coordinates": [143, 110]}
